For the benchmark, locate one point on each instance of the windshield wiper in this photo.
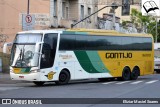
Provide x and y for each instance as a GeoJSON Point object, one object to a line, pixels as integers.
{"type": "Point", "coordinates": [20, 58]}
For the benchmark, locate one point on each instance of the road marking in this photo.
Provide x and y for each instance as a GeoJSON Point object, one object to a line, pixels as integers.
{"type": "Point", "coordinates": [123, 82]}
{"type": "Point", "coordinates": [137, 82]}
{"type": "Point", "coordinates": [150, 82]}
{"type": "Point", "coordinates": [109, 82]}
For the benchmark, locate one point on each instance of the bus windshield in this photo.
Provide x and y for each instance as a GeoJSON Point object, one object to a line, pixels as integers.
{"type": "Point", "coordinates": [23, 50]}
{"type": "Point", "coordinates": [24, 55]}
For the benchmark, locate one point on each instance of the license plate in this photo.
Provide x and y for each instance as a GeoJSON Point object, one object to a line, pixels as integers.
{"type": "Point", "coordinates": [21, 76]}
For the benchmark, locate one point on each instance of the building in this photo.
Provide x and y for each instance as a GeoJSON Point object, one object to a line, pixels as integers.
{"type": "Point", "coordinates": [11, 16]}
{"type": "Point", "coordinates": [48, 14]}
{"type": "Point", "coordinates": [121, 12]}
{"type": "Point", "coordinates": [63, 13]}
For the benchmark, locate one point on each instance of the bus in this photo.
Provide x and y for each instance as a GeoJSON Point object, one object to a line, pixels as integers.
{"type": "Point", "coordinates": [75, 54]}
{"type": "Point", "coordinates": [157, 57]}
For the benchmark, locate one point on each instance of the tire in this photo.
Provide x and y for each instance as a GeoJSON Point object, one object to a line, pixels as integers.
{"type": "Point", "coordinates": [157, 71]}
{"type": "Point", "coordinates": [38, 83]}
{"type": "Point", "coordinates": [64, 78]}
{"type": "Point", "coordinates": [126, 74]}
{"type": "Point", "coordinates": [135, 73]}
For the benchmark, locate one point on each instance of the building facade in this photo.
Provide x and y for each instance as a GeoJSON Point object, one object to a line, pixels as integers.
{"type": "Point", "coordinates": [48, 14]}
{"type": "Point", "coordinates": [63, 13]}
{"type": "Point", "coordinates": [11, 16]}
{"type": "Point", "coordinates": [121, 12]}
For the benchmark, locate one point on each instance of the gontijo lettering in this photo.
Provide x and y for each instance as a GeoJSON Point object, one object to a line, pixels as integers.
{"type": "Point", "coordinates": [118, 55]}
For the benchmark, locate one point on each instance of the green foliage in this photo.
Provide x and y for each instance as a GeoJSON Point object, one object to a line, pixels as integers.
{"type": "Point", "coordinates": [142, 22]}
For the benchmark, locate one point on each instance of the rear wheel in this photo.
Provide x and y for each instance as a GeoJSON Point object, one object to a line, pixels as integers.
{"type": "Point", "coordinates": [64, 78]}
{"type": "Point", "coordinates": [135, 73]}
{"type": "Point", "coordinates": [38, 83]}
{"type": "Point", "coordinates": [158, 71]}
{"type": "Point", "coordinates": [126, 74]}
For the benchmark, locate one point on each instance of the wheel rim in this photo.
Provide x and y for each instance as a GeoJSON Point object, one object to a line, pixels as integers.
{"type": "Point", "coordinates": [135, 74]}
{"type": "Point", "coordinates": [63, 77]}
{"type": "Point", "coordinates": [126, 74]}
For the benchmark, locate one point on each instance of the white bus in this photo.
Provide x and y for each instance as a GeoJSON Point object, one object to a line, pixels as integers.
{"type": "Point", "coordinates": [64, 55]}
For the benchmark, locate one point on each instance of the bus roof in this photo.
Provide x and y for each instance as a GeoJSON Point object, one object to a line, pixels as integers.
{"type": "Point", "coordinates": [43, 31]}
{"type": "Point", "coordinates": [108, 32]}
{"type": "Point", "coordinates": [87, 31]}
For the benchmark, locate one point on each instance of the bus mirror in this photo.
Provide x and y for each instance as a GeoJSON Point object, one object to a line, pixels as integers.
{"type": "Point", "coordinates": [5, 46]}
{"type": "Point", "coordinates": [37, 47]}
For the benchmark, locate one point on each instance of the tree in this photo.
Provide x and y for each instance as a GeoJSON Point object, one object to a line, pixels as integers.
{"type": "Point", "coordinates": [145, 24]}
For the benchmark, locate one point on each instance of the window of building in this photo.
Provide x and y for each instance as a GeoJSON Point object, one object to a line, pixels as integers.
{"type": "Point", "coordinates": [63, 9]}
{"type": "Point", "coordinates": [67, 13]}
{"type": "Point", "coordinates": [89, 13]}
{"type": "Point", "coordinates": [55, 8]}
{"type": "Point", "coordinates": [82, 12]}
{"type": "Point", "coordinates": [126, 7]}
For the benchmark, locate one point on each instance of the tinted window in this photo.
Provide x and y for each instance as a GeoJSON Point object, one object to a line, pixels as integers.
{"type": "Point", "coordinates": [67, 42]}
{"type": "Point", "coordinates": [49, 50]}
{"type": "Point", "coordinates": [92, 42]}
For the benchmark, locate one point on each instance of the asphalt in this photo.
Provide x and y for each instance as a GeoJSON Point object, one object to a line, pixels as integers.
{"type": "Point", "coordinates": [5, 79]}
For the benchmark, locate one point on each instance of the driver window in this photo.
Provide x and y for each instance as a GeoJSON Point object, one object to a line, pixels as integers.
{"type": "Point", "coordinates": [49, 50]}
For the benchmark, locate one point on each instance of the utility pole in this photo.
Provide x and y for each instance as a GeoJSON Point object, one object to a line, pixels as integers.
{"type": "Point", "coordinates": [156, 30]}
{"type": "Point", "coordinates": [114, 5]}
{"type": "Point", "coordinates": [28, 7]}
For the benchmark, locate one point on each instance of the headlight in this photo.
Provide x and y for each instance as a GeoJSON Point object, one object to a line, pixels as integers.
{"type": "Point", "coordinates": [35, 71]}
{"type": "Point", "coordinates": [11, 70]}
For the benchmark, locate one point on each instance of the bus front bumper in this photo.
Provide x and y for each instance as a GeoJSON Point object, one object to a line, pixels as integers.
{"type": "Point", "coordinates": [25, 77]}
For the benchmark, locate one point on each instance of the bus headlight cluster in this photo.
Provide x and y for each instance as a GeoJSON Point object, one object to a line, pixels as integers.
{"type": "Point", "coordinates": [35, 71]}
{"type": "Point", "coordinates": [11, 70]}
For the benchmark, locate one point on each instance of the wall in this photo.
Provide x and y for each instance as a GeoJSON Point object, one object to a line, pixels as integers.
{"type": "Point", "coordinates": [74, 13]}
{"type": "Point", "coordinates": [10, 11]}
{"type": "Point", "coordinates": [118, 11]}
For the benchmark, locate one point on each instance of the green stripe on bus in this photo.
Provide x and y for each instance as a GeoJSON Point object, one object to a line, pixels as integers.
{"type": "Point", "coordinates": [85, 62]}
{"type": "Point", "coordinates": [25, 70]}
{"type": "Point", "coordinates": [96, 61]}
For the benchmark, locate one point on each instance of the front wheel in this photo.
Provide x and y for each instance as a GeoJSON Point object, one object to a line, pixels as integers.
{"type": "Point", "coordinates": [64, 78]}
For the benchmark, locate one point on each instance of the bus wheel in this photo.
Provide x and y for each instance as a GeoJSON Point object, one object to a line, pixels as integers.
{"type": "Point", "coordinates": [157, 71]}
{"type": "Point", "coordinates": [38, 83]}
{"type": "Point", "coordinates": [64, 78]}
{"type": "Point", "coordinates": [135, 73]}
{"type": "Point", "coordinates": [126, 74]}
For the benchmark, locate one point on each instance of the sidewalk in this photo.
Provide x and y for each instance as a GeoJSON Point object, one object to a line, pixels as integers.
{"type": "Point", "coordinates": [5, 79]}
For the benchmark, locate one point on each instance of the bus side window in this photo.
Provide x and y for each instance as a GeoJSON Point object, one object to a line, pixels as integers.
{"type": "Point", "coordinates": [48, 50]}
{"type": "Point", "coordinates": [45, 60]}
